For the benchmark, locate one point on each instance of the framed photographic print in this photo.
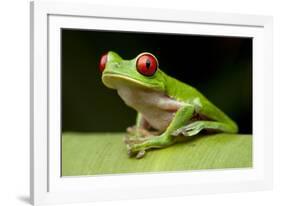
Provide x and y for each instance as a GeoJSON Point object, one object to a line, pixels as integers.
{"type": "Point", "coordinates": [126, 105]}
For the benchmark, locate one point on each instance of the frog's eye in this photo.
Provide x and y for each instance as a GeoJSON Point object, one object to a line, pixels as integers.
{"type": "Point", "coordinates": [102, 63]}
{"type": "Point", "coordinates": [147, 64]}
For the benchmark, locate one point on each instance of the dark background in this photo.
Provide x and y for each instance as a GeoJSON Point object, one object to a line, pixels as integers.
{"type": "Point", "coordinates": [219, 67]}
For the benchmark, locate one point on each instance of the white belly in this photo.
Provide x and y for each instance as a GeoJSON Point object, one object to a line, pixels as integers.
{"type": "Point", "coordinates": [157, 109]}
{"type": "Point", "coordinates": [158, 118]}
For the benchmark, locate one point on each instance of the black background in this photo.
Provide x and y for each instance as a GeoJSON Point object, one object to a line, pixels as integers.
{"type": "Point", "coordinates": [219, 67]}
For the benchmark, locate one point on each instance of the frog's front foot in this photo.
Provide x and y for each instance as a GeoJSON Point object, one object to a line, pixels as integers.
{"type": "Point", "coordinates": [137, 154]}
{"type": "Point", "coordinates": [132, 152]}
{"type": "Point", "coordinates": [139, 148]}
{"type": "Point", "coordinates": [131, 140]}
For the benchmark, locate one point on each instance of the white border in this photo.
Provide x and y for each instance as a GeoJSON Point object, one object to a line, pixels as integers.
{"type": "Point", "coordinates": [56, 23]}
{"type": "Point", "coordinates": [47, 186]}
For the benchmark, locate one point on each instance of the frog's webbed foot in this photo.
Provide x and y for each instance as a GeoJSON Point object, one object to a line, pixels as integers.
{"type": "Point", "coordinates": [140, 154]}
{"type": "Point", "coordinates": [133, 144]}
{"type": "Point", "coordinates": [135, 135]}
{"type": "Point", "coordinates": [130, 142]}
{"type": "Point", "coordinates": [139, 148]}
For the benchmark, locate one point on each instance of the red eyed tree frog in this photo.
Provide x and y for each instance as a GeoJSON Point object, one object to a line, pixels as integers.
{"type": "Point", "coordinates": [166, 107]}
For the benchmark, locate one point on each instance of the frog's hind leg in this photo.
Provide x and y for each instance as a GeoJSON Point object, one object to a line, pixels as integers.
{"type": "Point", "coordinates": [195, 127]}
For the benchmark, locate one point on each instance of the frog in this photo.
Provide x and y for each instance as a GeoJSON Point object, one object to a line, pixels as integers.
{"type": "Point", "coordinates": [168, 110]}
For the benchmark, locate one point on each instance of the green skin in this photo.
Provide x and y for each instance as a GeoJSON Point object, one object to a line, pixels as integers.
{"type": "Point", "coordinates": [168, 110]}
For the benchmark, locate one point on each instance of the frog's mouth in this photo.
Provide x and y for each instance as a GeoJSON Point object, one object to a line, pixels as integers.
{"type": "Point", "coordinates": [115, 81]}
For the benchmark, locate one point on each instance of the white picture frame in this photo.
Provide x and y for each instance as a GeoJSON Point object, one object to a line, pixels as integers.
{"type": "Point", "coordinates": [47, 185]}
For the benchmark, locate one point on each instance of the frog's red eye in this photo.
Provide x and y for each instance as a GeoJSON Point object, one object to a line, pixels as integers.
{"type": "Point", "coordinates": [147, 64]}
{"type": "Point", "coordinates": [102, 63]}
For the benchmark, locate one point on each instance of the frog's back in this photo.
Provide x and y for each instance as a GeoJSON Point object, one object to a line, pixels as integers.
{"type": "Point", "coordinates": [182, 91]}
{"type": "Point", "coordinates": [188, 94]}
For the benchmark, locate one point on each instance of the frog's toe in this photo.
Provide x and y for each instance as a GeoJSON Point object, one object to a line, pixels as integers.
{"type": "Point", "coordinates": [127, 139]}
{"type": "Point", "coordinates": [129, 150]}
{"type": "Point", "coordinates": [131, 130]}
{"type": "Point", "coordinates": [132, 152]}
{"type": "Point", "coordinates": [192, 132]}
{"type": "Point", "coordinates": [189, 130]}
{"type": "Point", "coordinates": [140, 154]}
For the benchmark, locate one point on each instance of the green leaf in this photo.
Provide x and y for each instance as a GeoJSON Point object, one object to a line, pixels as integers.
{"type": "Point", "coordinates": [105, 153]}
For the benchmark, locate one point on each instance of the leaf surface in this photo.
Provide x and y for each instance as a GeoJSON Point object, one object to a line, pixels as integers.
{"type": "Point", "coordinates": [105, 153]}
